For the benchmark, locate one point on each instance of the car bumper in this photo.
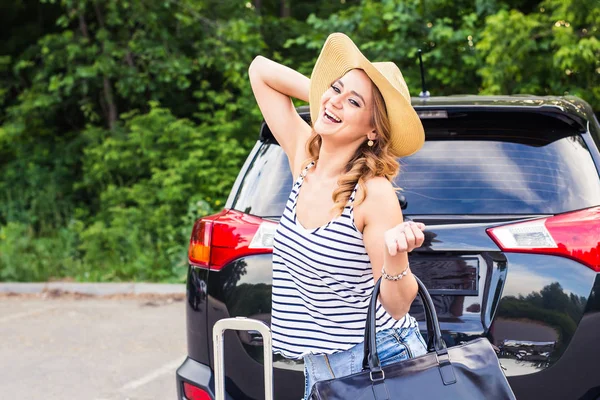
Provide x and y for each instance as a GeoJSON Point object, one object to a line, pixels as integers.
{"type": "Point", "coordinates": [198, 375]}
{"type": "Point", "coordinates": [574, 376]}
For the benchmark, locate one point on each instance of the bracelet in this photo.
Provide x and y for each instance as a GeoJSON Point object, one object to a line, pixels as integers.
{"type": "Point", "coordinates": [394, 277]}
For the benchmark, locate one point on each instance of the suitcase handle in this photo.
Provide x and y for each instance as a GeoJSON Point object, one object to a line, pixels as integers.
{"type": "Point", "coordinates": [241, 324]}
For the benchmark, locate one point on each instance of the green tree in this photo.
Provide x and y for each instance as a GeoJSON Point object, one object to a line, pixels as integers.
{"type": "Point", "coordinates": [483, 47]}
{"type": "Point", "coordinates": [553, 51]}
{"type": "Point", "coordinates": [128, 118]}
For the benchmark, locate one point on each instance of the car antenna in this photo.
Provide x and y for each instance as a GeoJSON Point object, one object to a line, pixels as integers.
{"type": "Point", "coordinates": [424, 92]}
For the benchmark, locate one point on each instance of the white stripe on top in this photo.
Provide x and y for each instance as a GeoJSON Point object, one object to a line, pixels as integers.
{"type": "Point", "coordinates": [322, 284]}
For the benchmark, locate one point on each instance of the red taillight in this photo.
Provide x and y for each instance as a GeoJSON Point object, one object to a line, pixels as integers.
{"type": "Point", "coordinates": [194, 393]}
{"type": "Point", "coordinates": [199, 250]}
{"type": "Point", "coordinates": [220, 239]}
{"type": "Point", "coordinates": [575, 235]}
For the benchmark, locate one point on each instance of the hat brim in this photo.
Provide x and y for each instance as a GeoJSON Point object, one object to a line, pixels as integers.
{"type": "Point", "coordinates": [340, 55]}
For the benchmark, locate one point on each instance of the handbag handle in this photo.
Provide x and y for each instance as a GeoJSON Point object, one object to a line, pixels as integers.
{"type": "Point", "coordinates": [429, 322]}
{"type": "Point", "coordinates": [434, 334]}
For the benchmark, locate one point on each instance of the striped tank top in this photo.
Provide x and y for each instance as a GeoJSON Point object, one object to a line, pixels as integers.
{"type": "Point", "coordinates": [322, 284]}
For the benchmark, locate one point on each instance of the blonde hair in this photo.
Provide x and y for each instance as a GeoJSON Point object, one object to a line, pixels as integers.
{"type": "Point", "coordinates": [367, 161]}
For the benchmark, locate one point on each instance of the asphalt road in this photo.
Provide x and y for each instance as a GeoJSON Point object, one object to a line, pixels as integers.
{"type": "Point", "coordinates": [67, 347]}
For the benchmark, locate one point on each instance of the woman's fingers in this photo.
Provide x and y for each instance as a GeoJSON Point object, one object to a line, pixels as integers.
{"type": "Point", "coordinates": [404, 237]}
{"type": "Point", "coordinates": [410, 237]}
{"type": "Point", "coordinates": [418, 233]}
{"type": "Point", "coordinates": [402, 241]}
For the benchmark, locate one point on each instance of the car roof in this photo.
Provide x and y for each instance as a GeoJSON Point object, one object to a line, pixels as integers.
{"type": "Point", "coordinates": [571, 110]}
{"type": "Point", "coordinates": [574, 109]}
{"type": "Point", "coordinates": [567, 104]}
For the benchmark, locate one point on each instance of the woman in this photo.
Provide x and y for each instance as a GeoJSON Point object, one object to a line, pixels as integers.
{"type": "Point", "coordinates": [329, 249]}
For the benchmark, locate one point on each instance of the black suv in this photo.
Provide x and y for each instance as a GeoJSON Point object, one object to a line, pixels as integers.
{"type": "Point", "coordinates": [509, 189]}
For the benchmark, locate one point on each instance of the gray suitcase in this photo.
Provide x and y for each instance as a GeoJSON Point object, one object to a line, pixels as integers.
{"type": "Point", "coordinates": [241, 324]}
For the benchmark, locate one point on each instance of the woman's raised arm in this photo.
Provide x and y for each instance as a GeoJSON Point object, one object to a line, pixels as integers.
{"type": "Point", "coordinates": [273, 84]}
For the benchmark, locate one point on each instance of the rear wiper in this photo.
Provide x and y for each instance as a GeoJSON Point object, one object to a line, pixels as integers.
{"type": "Point", "coordinates": [402, 200]}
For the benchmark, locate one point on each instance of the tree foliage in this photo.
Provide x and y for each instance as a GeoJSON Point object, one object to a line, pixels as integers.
{"type": "Point", "coordinates": [123, 121]}
{"type": "Point", "coordinates": [553, 51]}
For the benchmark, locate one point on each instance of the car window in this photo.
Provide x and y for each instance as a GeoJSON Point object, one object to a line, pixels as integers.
{"type": "Point", "coordinates": [473, 176]}
{"type": "Point", "coordinates": [267, 183]}
{"type": "Point", "coordinates": [499, 177]}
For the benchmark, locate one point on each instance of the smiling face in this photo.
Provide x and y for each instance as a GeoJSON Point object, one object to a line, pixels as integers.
{"type": "Point", "coordinates": [346, 109]}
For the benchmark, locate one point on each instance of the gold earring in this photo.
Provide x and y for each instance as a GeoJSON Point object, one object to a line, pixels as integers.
{"type": "Point", "coordinates": [370, 143]}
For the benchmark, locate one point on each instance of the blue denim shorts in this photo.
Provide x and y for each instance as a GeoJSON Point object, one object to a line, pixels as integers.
{"type": "Point", "coordinates": [393, 345]}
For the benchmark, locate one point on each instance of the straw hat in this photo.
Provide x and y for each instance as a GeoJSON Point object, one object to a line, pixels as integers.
{"type": "Point", "coordinates": [338, 56]}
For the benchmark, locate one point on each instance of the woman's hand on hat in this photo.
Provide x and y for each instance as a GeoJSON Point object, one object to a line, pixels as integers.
{"type": "Point", "coordinates": [404, 237]}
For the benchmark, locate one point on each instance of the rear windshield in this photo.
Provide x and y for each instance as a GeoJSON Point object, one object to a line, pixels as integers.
{"type": "Point", "coordinates": [458, 177]}
{"type": "Point", "coordinates": [492, 177]}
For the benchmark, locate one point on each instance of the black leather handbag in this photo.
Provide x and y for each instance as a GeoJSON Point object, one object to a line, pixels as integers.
{"type": "Point", "coordinates": [463, 372]}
